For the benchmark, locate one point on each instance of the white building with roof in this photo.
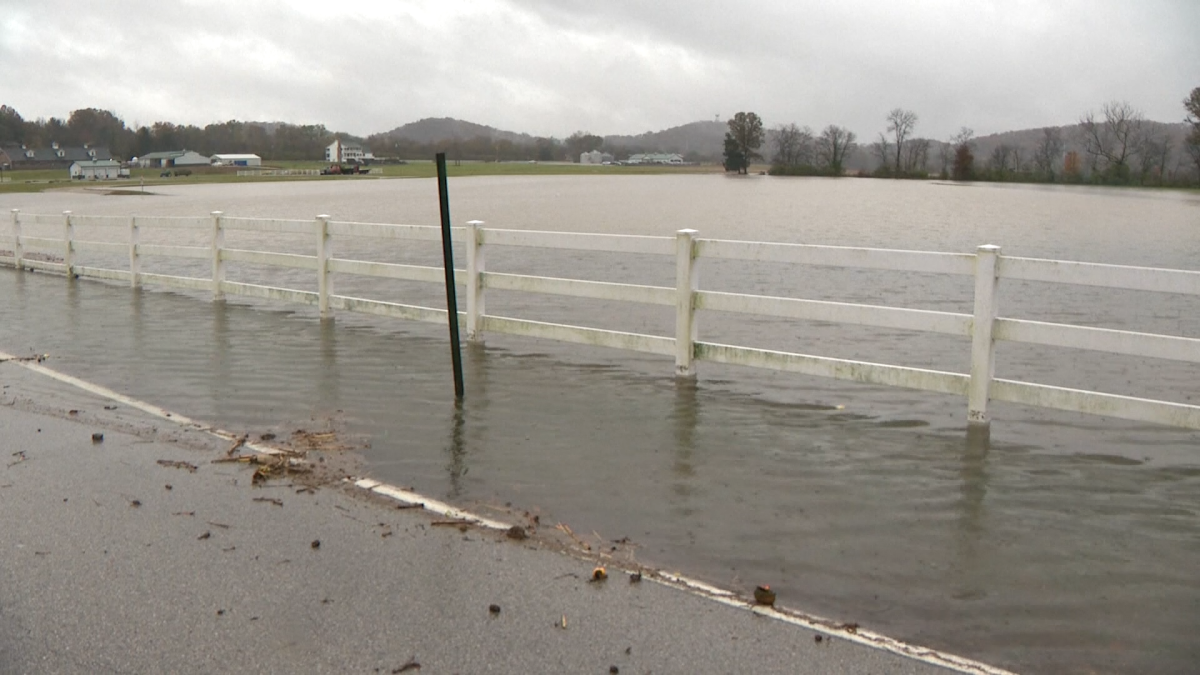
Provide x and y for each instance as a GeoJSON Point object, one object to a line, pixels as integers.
{"type": "Point", "coordinates": [95, 169]}
{"type": "Point", "coordinates": [236, 160]}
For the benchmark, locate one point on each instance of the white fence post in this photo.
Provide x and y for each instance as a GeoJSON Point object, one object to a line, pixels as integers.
{"type": "Point", "coordinates": [983, 347]}
{"type": "Point", "coordinates": [18, 249]}
{"type": "Point", "coordinates": [68, 245]}
{"type": "Point", "coordinates": [135, 262]}
{"type": "Point", "coordinates": [324, 252]}
{"type": "Point", "coordinates": [218, 265]}
{"type": "Point", "coordinates": [686, 282]}
{"type": "Point", "coordinates": [475, 269]}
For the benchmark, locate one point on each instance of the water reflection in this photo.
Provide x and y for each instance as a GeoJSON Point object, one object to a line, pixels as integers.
{"type": "Point", "coordinates": [457, 450]}
{"type": "Point", "coordinates": [329, 395]}
{"type": "Point", "coordinates": [973, 486]}
{"type": "Point", "coordinates": [684, 416]}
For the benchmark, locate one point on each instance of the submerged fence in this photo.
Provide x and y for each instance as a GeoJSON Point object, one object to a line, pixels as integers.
{"type": "Point", "coordinates": [984, 327]}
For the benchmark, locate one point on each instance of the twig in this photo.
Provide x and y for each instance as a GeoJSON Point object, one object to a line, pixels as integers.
{"type": "Point", "coordinates": [237, 443]}
{"type": "Point", "coordinates": [272, 500]}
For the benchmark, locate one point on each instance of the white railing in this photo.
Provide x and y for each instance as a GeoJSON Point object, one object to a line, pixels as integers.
{"type": "Point", "coordinates": [984, 327]}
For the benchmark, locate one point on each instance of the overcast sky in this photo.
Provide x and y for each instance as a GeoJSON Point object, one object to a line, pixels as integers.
{"type": "Point", "coordinates": [551, 67]}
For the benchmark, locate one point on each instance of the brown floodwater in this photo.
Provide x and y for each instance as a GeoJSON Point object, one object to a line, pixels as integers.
{"type": "Point", "coordinates": [1058, 543]}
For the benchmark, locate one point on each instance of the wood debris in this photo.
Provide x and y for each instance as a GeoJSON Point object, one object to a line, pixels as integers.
{"type": "Point", "coordinates": [175, 464]}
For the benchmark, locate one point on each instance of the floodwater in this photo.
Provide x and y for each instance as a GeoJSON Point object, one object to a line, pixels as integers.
{"type": "Point", "coordinates": [1059, 543]}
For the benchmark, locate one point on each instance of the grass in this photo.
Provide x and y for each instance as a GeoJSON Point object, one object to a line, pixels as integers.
{"type": "Point", "coordinates": [39, 180]}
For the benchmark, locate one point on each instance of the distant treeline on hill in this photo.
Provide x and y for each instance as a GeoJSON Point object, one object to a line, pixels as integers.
{"type": "Point", "coordinates": [281, 141]}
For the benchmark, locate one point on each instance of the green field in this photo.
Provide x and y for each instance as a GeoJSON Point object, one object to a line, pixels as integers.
{"type": "Point", "coordinates": [52, 179]}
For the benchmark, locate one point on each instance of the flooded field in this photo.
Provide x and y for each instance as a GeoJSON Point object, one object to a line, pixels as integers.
{"type": "Point", "coordinates": [1059, 543]}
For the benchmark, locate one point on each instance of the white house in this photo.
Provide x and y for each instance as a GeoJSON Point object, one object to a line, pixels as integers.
{"type": "Point", "coordinates": [236, 160]}
{"type": "Point", "coordinates": [95, 169]}
{"type": "Point", "coordinates": [344, 151]}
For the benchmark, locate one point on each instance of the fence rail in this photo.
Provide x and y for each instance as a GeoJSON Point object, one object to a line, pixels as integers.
{"type": "Point", "coordinates": [985, 328]}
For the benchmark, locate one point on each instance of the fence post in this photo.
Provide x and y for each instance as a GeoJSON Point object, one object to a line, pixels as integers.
{"type": "Point", "coordinates": [68, 245]}
{"type": "Point", "coordinates": [135, 262]}
{"type": "Point", "coordinates": [324, 252]}
{"type": "Point", "coordinates": [218, 265]}
{"type": "Point", "coordinates": [18, 249]}
{"type": "Point", "coordinates": [475, 269]}
{"type": "Point", "coordinates": [983, 347]}
{"type": "Point", "coordinates": [686, 284]}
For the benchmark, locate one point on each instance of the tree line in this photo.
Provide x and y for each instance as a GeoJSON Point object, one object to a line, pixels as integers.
{"type": "Point", "coordinates": [1117, 146]}
{"type": "Point", "coordinates": [101, 128]}
{"type": "Point", "coordinates": [277, 141]}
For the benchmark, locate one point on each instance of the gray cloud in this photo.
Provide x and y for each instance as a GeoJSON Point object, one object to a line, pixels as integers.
{"type": "Point", "coordinates": [620, 66]}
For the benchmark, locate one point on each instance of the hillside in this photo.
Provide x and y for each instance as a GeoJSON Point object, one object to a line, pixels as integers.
{"type": "Point", "coordinates": [435, 129]}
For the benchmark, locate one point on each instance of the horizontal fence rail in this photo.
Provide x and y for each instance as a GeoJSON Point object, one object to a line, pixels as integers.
{"type": "Point", "coordinates": [983, 326]}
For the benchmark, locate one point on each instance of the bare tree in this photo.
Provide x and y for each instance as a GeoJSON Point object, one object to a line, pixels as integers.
{"type": "Point", "coordinates": [883, 150]}
{"type": "Point", "coordinates": [900, 124]}
{"type": "Point", "coordinates": [1153, 155]}
{"type": "Point", "coordinates": [1048, 152]}
{"type": "Point", "coordinates": [793, 146]}
{"type": "Point", "coordinates": [1192, 143]}
{"type": "Point", "coordinates": [916, 155]}
{"type": "Point", "coordinates": [1110, 142]}
{"type": "Point", "coordinates": [832, 147]}
{"type": "Point", "coordinates": [1001, 161]}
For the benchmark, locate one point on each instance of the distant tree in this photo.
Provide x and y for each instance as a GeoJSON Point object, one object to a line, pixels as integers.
{"type": "Point", "coordinates": [793, 146]}
{"type": "Point", "coordinates": [964, 160]}
{"type": "Point", "coordinates": [12, 126]}
{"type": "Point", "coordinates": [1153, 155]}
{"type": "Point", "coordinates": [1192, 143]}
{"type": "Point", "coordinates": [581, 142]}
{"type": "Point", "coordinates": [900, 124]}
{"type": "Point", "coordinates": [742, 141]}
{"type": "Point", "coordinates": [1001, 163]}
{"type": "Point", "coordinates": [1047, 153]}
{"type": "Point", "coordinates": [1072, 167]}
{"type": "Point", "coordinates": [832, 147]}
{"type": "Point", "coordinates": [916, 156]}
{"type": "Point", "coordinates": [882, 149]}
{"type": "Point", "coordinates": [734, 159]}
{"type": "Point", "coordinates": [1110, 142]}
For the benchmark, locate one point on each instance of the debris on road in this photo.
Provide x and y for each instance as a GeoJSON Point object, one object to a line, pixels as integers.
{"type": "Point", "coordinates": [410, 665]}
{"type": "Point", "coordinates": [175, 464]}
{"type": "Point", "coordinates": [97, 437]}
{"type": "Point", "coordinates": [494, 609]}
{"type": "Point", "coordinates": [269, 500]}
{"type": "Point", "coordinates": [763, 595]}
{"type": "Point", "coordinates": [517, 532]}
{"type": "Point", "coordinates": [316, 543]}
{"type": "Point", "coordinates": [599, 574]}
{"type": "Point", "coordinates": [237, 443]}
{"type": "Point", "coordinates": [635, 577]}
{"type": "Point", "coordinates": [204, 536]}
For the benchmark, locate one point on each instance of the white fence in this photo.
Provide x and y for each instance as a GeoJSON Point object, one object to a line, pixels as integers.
{"type": "Point", "coordinates": [984, 327]}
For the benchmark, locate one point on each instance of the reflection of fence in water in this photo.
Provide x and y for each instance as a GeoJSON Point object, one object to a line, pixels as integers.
{"type": "Point", "coordinates": [206, 257]}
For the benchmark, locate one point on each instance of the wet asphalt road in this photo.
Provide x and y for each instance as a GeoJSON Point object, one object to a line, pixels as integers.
{"type": "Point", "coordinates": [107, 570]}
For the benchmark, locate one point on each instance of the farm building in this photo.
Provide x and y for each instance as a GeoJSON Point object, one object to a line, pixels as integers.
{"type": "Point", "coordinates": [95, 169]}
{"type": "Point", "coordinates": [236, 160]}
{"type": "Point", "coordinates": [595, 157]}
{"type": "Point", "coordinates": [173, 158]}
{"type": "Point", "coordinates": [345, 151]}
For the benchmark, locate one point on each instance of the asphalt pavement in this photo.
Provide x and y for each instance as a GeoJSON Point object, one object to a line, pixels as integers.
{"type": "Point", "coordinates": [138, 553]}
